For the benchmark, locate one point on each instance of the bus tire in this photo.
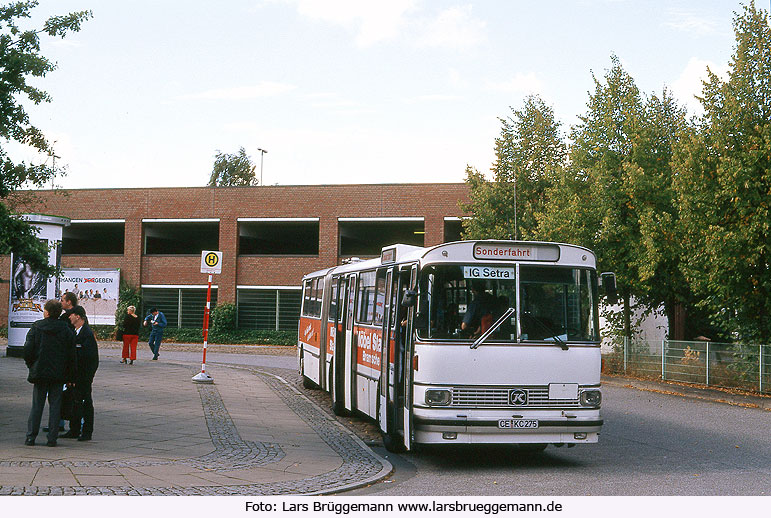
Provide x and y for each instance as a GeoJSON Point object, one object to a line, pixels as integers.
{"type": "Point", "coordinates": [338, 404]}
{"type": "Point", "coordinates": [393, 443]}
{"type": "Point", "coordinates": [532, 447]}
{"type": "Point", "coordinates": [309, 383]}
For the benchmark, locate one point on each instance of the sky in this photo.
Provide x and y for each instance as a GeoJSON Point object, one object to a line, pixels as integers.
{"type": "Point", "coordinates": [344, 91]}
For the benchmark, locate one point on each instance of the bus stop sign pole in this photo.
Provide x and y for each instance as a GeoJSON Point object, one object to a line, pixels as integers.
{"type": "Point", "coordinates": [211, 262]}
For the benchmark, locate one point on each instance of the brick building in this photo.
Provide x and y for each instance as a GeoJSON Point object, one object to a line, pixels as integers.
{"type": "Point", "coordinates": [270, 237]}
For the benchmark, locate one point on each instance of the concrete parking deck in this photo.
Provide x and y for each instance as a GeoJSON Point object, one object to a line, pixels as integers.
{"type": "Point", "coordinates": [157, 433]}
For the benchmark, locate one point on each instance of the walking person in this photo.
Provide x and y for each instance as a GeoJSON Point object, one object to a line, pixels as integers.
{"type": "Point", "coordinates": [157, 322]}
{"type": "Point", "coordinates": [88, 363]}
{"type": "Point", "coordinates": [49, 352]}
{"type": "Point", "coordinates": [130, 335]}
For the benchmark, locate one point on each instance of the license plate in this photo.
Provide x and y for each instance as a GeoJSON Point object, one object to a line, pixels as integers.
{"type": "Point", "coordinates": [518, 423]}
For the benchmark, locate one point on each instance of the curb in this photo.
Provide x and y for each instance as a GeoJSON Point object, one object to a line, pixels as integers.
{"type": "Point", "coordinates": [386, 467]}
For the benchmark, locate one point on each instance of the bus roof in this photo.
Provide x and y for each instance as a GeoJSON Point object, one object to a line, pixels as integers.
{"type": "Point", "coordinates": [458, 251]}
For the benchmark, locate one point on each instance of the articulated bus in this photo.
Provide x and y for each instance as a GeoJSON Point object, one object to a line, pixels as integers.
{"type": "Point", "coordinates": [469, 342]}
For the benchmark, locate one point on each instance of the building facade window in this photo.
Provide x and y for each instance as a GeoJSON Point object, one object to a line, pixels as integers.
{"type": "Point", "coordinates": [180, 237]}
{"type": "Point", "coordinates": [94, 237]}
{"type": "Point", "coordinates": [269, 307]}
{"type": "Point", "coordinates": [452, 229]}
{"type": "Point", "coordinates": [183, 306]}
{"type": "Point", "coordinates": [367, 236]}
{"type": "Point", "coordinates": [278, 236]}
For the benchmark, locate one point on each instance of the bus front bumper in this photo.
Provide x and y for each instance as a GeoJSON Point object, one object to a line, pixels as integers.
{"type": "Point", "coordinates": [505, 430]}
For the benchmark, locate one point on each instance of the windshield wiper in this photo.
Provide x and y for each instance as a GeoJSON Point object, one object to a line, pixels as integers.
{"type": "Point", "coordinates": [548, 330]}
{"type": "Point", "coordinates": [492, 329]}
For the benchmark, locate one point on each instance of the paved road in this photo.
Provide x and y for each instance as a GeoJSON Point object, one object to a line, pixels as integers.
{"type": "Point", "coordinates": [157, 433]}
{"type": "Point", "coordinates": [653, 443]}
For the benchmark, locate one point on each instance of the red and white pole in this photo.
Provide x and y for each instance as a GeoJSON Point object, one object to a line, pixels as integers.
{"type": "Point", "coordinates": [202, 377]}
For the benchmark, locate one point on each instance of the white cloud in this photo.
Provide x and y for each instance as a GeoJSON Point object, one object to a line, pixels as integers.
{"type": "Point", "coordinates": [688, 21]}
{"type": "Point", "coordinates": [435, 98]}
{"type": "Point", "coordinates": [374, 21]}
{"type": "Point", "coordinates": [689, 84]}
{"type": "Point", "coordinates": [519, 84]}
{"type": "Point", "coordinates": [454, 28]}
{"type": "Point", "coordinates": [241, 93]}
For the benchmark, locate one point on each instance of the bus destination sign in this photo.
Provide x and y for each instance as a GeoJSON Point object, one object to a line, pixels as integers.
{"type": "Point", "coordinates": [507, 251]}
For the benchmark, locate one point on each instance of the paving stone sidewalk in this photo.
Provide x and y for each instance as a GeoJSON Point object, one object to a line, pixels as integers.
{"type": "Point", "coordinates": [157, 433]}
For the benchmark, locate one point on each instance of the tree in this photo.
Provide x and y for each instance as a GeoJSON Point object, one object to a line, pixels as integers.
{"type": "Point", "coordinates": [232, 169]}
{"type": "Point", "coordinates": [616, 197]}
{"type": "Point", "coordinates": [723, 183]}
{"type": "Point", "coordinates": [20, 59]}
{"type": "Point", "coordinates": [529, 152]}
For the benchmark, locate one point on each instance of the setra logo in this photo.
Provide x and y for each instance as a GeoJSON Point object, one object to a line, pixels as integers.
{"type": "Point", "coordinates": [518, 397]}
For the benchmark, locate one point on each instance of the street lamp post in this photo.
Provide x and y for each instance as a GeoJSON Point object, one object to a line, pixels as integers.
{"type": "Point", "coordinates": [262, 154]}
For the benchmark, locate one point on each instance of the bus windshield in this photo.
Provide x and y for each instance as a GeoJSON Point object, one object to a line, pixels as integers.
{"type": "Point", "coordinates": [556, 304]}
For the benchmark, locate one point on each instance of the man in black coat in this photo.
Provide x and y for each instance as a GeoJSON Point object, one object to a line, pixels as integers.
{"type": "Point", "coordinates": [88, 363]}
{"type": "Point", "coordinates": [49, 352]}
{"type": "Point", "coordinates": [69, 301]}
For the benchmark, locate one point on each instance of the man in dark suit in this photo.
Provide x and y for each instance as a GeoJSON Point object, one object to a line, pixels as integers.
{"type": "Point", "coordinates": [49, 352]}
{"type": "Point", "coordinates": [88, 363]}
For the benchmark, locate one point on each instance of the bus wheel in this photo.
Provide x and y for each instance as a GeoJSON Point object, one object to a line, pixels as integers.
{"type": "Point", "coordinates": [309, 383]}
{"type": "Point", "coordinates": [393, 443]}
{"type": "Point", "coordinates": [532, 447]}
{"type": "Point", "coordinates": [338, 405]}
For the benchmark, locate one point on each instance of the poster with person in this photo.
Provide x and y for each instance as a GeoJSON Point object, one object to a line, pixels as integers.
{"type": "Point", "coordinates": [96, 290]}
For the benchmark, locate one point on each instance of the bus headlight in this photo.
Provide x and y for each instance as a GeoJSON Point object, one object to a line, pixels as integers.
{"type": "Point", "coordinates": [591, 398]}
{"type": "Point", "coordinates": [437, 397]}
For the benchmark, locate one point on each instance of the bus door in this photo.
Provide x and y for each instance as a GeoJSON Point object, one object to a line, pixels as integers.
{"type": "Point", "coordinates": [340, 375]}
{"type": "Point", "coordinates": [385, 394]}
{"type": "Point", "coordinates": [407, 363]}
{"type": "Point", "coordinates": [348, 377]}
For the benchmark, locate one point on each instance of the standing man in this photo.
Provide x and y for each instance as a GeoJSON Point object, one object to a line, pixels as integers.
{"type": "Point", "coordinates": [157, 322]}
{"type": "Point", "coordinates": [69, 301]}
{"type": "Point", "coordinates": [88, 363]}
{"type": "Point", "coordinates": [49, 352]}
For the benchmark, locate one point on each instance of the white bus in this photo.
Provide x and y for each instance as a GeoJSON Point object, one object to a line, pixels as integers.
{"type": "Point", "coordinates": [468, 342]}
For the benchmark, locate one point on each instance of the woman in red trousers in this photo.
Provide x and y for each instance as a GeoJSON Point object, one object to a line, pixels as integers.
{"type": "Point", "coordinates": [130, 335]}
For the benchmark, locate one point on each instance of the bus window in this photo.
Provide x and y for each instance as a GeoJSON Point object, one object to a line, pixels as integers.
{"type": "Point", "coordinates": [319, 295]}
{"type": "Point", "coordinates": [366, 309]}
{"type": "Point", "coordinates": [461, 305]}
{"type": "Point", "coordinates": [379, 297]}
{"type": "Point", "coordinates": [558, 302]}
{"type": "Point", "coordinates": [307, 298]}
{"type": "Point", "coordinates": [333, 300]}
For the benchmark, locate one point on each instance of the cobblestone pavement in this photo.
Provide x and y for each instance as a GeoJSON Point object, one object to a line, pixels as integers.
{"type": "Point", "coordinates": [252, 433]}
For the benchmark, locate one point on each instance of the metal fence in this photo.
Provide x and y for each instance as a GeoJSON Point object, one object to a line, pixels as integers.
{"type": "Point", "coordinates": [715, 364]}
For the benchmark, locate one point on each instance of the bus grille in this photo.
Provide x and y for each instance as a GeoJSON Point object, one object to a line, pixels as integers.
{"type": "Point", "coordinates": [499, 397]}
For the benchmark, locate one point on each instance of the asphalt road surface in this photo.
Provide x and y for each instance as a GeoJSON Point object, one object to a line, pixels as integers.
{"type": "Point", "coordinates": [651, 444]}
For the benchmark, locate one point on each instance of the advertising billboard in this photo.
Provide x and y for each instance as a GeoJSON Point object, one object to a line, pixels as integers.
{"type": "Point", "coordinates": [30, 289]}
{"type": "Point", "coordinates": [96, 289]}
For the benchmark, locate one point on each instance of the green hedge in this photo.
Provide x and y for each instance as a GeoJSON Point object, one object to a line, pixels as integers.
{"type": "Point", "coordinates": [195, 336]}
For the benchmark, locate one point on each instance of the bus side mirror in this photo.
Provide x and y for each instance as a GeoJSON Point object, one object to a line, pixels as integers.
{"type": "Point", "coordinates": [410, 299]}
{"type": "Point", "coordinates": [608, 281]}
